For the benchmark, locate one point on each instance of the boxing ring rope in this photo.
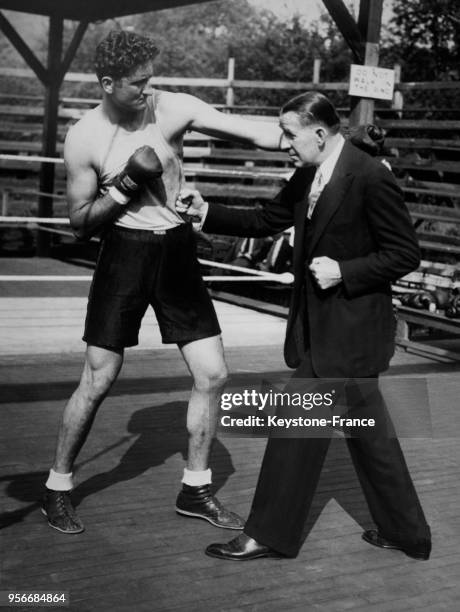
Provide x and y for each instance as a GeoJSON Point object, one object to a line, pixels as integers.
{"type": "Point", "coordinates": [35, 220]}
{"type": "Point", "coordinates": [250, 274]}
{"type": "Point", "coordinates": [254, 275]}
{"type": "Point", "coordinates": [11, 277]}
{"type": "Point", "coordinates": [31, 158]}
{"type": "Point", "coordinates": [189, 168]}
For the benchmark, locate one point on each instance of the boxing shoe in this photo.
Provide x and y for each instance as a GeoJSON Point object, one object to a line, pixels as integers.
{"type": "Point", "coordinates": [241, 548]}
{"type": "Point", "coordinates": [198, 502]}
{"type": "Point", "coordinates": [421, 552]}
{"type": "Point", "coordinates": [57, 507]}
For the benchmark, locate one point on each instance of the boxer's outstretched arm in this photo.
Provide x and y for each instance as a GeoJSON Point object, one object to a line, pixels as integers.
{"type": "Point", "coordinates": [202, 117]}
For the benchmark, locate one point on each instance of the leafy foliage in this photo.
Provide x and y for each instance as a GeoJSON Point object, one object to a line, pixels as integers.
{"type": "Point", "coordinates": [424, 37]}
{"type": "Point", "coordinates": [197, 40]}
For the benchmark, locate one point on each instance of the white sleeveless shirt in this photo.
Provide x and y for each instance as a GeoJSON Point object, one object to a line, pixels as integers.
{"type": "Point", "coordinates": [153, 206]}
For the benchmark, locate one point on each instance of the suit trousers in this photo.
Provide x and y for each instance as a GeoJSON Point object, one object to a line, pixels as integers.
{"type": "Point", "coordinates": [291, 469]}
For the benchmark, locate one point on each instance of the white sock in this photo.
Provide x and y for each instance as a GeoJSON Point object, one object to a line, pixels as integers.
{"type": "Point", "coordinates": [59, 482]}
{"type": "Point", "coordinates": [197, 478]}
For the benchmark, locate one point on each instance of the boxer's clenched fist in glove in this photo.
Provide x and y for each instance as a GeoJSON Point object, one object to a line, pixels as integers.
{"type": "Point", "coordinates": [326, 272]}
{"type": "Point", "coordinates": [142, 167]}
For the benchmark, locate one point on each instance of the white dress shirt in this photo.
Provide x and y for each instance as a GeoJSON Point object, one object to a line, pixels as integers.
{"type": "Point", "coordinates": [323, 175]}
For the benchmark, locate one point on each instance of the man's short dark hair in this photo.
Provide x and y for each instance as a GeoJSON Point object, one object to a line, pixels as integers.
{"type": "Point", "coordinates": [121, 52]}
{"type": "Point", "coordinates": [313, 107]}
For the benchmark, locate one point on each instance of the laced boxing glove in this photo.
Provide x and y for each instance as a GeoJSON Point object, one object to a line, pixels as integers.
{"type": "Point", "coordinates": [142, 167]}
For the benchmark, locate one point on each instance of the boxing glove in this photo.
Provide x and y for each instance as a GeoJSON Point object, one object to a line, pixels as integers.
{"type": "Point", "coordinates": [424, 300]}
{"type": "Point", "coordinates": [142, 167]}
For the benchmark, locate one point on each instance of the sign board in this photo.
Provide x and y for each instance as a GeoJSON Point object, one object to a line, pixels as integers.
{"type": "Point", "coordinates": [371, 82]}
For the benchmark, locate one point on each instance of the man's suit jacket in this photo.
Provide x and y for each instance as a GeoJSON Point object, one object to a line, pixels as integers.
{"type": "Point", "coordinates": [361, 221]}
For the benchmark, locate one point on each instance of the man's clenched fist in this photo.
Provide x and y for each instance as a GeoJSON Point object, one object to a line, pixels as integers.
{"type": "Point", "coordinates": [325, 271]}
{"type": "Point", "coordinates": [190, 202]}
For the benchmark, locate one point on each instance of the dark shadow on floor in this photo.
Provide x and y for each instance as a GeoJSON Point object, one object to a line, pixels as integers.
{"type": "Point", "coordinates": [159, 432]}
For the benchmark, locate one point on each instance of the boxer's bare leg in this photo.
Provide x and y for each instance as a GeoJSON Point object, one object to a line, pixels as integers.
{"type": "Point", "coordinates": [205, 360]}
{"type": "Point", "coordinates": [100, 370]}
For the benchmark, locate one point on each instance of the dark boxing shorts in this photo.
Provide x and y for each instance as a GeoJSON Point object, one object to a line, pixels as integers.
{"type": "Point", "coordinates": [136, 268]}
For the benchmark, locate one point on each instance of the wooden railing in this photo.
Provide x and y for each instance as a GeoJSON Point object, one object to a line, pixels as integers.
{"type": "Point", "coordinates": [229, 83]}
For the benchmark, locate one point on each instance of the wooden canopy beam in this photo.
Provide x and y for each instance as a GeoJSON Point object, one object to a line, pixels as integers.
{"type": "Point", "coordinates": [31, 59]}
{"type": "Point", "coordinates": [347, 27]}
{"type": "Point", "coordinates": [73, 47]}
{"type": "Point", "coordinates": [23, 49]}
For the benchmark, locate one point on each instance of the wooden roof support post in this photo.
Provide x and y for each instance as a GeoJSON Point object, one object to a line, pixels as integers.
{"type": "Point", "coordinates": [57, 67]}
{"type": "Point", "coordinates": [45, 203]}
{"type": "Point", "coordinates": [363, 39]}
{"type": "Point", "coordinates": [22, 48]}
{"type": "Point", "coordinates": [369, 24]}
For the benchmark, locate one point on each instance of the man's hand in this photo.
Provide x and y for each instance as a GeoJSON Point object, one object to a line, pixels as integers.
{"type": "Point", "coordinates": [190, 203]}
{"type": "Point", "coordinates": [326, 272]}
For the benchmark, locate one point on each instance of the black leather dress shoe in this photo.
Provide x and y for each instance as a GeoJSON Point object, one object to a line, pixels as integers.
{"type": "Point", "coordinates": [421, 552]}
{"type": "Point", "coordinates": [241, 548]}
{"type": "Point", "coordinates": [199, 502]}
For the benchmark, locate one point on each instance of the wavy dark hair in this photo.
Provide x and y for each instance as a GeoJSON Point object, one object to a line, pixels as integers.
{"type": "Point", "coordinates": [313, 107]}
{"type": "Point", "coordinates": [121, 52]}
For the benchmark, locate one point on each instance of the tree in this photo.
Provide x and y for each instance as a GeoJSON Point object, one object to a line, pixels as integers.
{"type": "Point", "coordinates": [425, 38]}
{"type": "Point", "coordinates": [197, 41]}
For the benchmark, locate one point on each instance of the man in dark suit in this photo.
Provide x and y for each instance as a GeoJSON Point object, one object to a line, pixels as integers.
{"type": "Point", "coordinates": [353, 237]}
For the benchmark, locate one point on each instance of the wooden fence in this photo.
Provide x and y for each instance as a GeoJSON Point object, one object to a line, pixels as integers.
{"type": "Point", "coordinates": [229, 83]}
